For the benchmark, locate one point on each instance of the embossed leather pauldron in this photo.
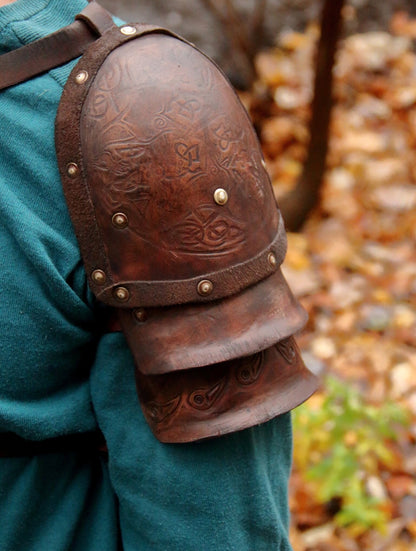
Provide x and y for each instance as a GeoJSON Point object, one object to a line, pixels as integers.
{"type": "Point", "coordinates": [179, 230]}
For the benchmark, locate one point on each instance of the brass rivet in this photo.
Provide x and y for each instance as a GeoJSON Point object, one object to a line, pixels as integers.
{"type": "Point", "coordinates": [205, 287]}
{"type": "Point", "coordinates": [120, 220]}
{"type": "Point", "coordinates": [99, 277]}
{"type": "Point", "coordinates": [140, 314]}
{"type": "Point", "coordinates": [81, 77]}
{"type": "Point", "coordinates": [128, 30]}
{"type": "Point", "coordinates": [72, 170]}
{"type": "Point", "coordinates": [272, 260]}
{"type": "Point", "coordinates": [121, 294]}
{"type": "Point", "coordinates": [220, 196]}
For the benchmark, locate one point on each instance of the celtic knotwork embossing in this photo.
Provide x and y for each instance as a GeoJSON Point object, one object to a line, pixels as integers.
{"type": "Point", "coordinates": [103, 100]}
{"type": "Point", "coordinates": [249, 371]}
{"type": "Point", "coordinates": [238, 163]}
{"type": "Point", "coordinates": [122, 168]}
{"type": "Point", "coordinates": [204, 398]}
{"type": "Point", "coordinates": [187, 108]}
{"type": "Point", "coordinates": [176, 113]}
{"type": "Point", "coordinates": [237, 154]}
{"type": "Point", "coordinates": [159, 412]}
{"type": "Point", "coordinates": [160, 122]}
{"type": "Point", "coordinates": [189, 158]}
{"type": "Point", "coordinates": [207, 231]}
{"type": "Point", "coordinates": [287, 349]}
{"type": "Point", "coordinates": [100, 105]}
{"type": "Point", "coordinates": [120, 162]}
{"type": "Point", "coordinates": [110, 78]}
{"type": "Point", "coordinates": [225, 135]}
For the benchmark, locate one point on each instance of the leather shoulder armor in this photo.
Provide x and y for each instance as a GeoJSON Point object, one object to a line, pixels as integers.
{"type": "Point", "coordinates": [179, 230]}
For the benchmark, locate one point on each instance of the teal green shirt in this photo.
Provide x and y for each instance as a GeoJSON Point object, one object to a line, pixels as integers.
{"type": "Point", "coordinates": [59, 375]}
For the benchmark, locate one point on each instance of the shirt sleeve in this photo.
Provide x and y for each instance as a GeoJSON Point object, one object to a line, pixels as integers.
{"type": "Point", "coordinates": [228, 493]}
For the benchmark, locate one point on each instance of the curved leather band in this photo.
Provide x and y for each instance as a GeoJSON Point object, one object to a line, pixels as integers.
{"type": "Point", "coordinates": [55, 49]}
{"type": "Point", "coordinates": [223, 398]}
{"type": "Point", "coordinates": [225, 283]}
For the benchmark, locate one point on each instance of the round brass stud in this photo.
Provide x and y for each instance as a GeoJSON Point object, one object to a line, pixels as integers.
{"type": "Point", "coordinates": [72, 170]}
{"type": "Point", "coordinates": [205, 287]}
{"type": "Point", "coordinates": [272, 260]}
{"type": "Point", "coordinates": [121, 294]}
{"type": "Point", "coordinates": [140, 314]}
{"type": "Point", "coordinates": [220, 196]}
{"type": "Point", "coordinates": [99, 277]}
{"type": "Point", "coordinates": [128, 30]}
{"type": "Point", "coordinates": [120, 220]}
{"type": "Point", "coordinates": [81, 77]}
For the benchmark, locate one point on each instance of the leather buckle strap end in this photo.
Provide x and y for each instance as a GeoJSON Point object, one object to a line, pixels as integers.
{"type": "Point", "coordinates": [96, 17]}
{"type": "Point", "coordinates": [55, 49]}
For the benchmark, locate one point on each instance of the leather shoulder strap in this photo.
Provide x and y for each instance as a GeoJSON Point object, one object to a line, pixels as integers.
{"type": "Point", "coordinates": [55, 49]}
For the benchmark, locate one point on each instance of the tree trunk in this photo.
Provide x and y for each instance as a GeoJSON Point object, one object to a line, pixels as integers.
{"type": "Point", "coordinates": [297, 204]}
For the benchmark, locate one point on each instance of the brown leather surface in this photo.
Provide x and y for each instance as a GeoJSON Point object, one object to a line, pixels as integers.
{"type": "Point", "coordinates": [186, 336]}
{"type": "Point", "coordinates": [55, 49]}
{"type": "Point", "coordinates": [212, 401]}
{"type": "Point", "coordinates": [96, 17]}
{"type": "Point", "coordinates": [149, 137]}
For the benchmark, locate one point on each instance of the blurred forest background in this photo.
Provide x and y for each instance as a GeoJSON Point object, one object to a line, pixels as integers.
{"type": "Point", "coordinates": [352, 259]}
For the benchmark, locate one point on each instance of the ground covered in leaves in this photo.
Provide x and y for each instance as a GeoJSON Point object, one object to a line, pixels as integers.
{"type": "Point", "coordinates": [354, 268]}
